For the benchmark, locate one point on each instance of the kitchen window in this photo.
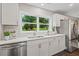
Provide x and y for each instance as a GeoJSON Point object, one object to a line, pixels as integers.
{"type": "Point", "coordinates": [43, 23]}
{"type": "Point", "coordinates": [29, 23]}
{"type": "Point", "coordinates": [34, 23]}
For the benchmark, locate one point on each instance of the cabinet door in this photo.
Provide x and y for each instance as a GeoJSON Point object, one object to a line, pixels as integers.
{"type": "Point", "coordinates": [9, 13]}
{"type": "Point", "coordinates": [56, 20]}
{"type": "Point", "coordinates": [43, 49]}
{"type": "Point", "coordinates": [33, 50]}
{"type": "Point", "coordinates": [53, 45]}
{"type": "Point", "coordinates": [61, 43]}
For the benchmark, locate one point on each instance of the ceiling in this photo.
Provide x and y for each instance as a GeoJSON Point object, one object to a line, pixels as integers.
{"type": "Point", "coordinates": [62, 8]}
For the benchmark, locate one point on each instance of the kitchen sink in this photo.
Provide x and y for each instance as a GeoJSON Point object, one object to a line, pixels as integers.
{"type": "Point", "coordinates": [36, 37]}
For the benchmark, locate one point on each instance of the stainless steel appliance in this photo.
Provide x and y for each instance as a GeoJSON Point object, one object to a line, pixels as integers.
{"type": "Point", "coordinates": [70, 29]}
{"type": "Point", "coordinates": [17, 49]}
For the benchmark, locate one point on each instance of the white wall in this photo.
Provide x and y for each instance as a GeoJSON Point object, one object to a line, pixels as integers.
{"type": "Point", "coordinates": [34, 11]}
{"type": "Point", "coordinates": [74, 13]}
{"type": "Point", "coordinates": [31, 10]}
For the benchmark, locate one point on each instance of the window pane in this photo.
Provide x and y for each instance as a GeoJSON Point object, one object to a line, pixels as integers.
{"type": "Point", "coordinates": [43, 20]}
{"type": "Point", "coordinates": [43, 27]}
{"type": "Point", "coordinates": [29, 27]}
{"type": "Point", "coordinates": [27, 18]}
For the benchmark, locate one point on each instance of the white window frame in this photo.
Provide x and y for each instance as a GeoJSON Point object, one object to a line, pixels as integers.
{"type": "Point", "coordinates": [25, 13]}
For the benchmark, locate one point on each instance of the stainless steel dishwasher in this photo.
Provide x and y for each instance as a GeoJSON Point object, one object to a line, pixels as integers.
{"type": "Point", "coordinates": [17, 49]}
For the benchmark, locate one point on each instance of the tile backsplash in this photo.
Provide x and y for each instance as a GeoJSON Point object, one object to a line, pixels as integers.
{"type": "Point", "coordinates": [27, 34]}
{"type": "Point", "coordinates": [9, 28]}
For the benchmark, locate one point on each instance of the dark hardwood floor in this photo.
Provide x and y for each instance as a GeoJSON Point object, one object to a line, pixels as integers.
{"type": "Point", "coordinates": [66, 53]}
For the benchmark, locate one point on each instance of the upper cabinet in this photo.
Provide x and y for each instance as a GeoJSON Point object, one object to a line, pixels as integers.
{"type": "Point", "coordinates": [10, 14]}
{"type": "Point", "coordinates": [56, 19]}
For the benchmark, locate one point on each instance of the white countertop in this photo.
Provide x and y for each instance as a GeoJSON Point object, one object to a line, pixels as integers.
{"type": "Point", "coordinates": [23, 39]}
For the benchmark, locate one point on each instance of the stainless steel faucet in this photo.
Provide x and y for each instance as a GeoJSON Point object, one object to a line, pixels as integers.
{"type": "Point", "coordinates": [34, 33]}
{"type": "Point", "coordinates": [47, 32]}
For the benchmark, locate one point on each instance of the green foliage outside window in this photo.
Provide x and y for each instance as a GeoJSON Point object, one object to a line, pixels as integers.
{"type": "Point", "coordinates": [43, 20]}
{"type": "Point", "coordinates": [30, 23]}
{"type": "Point", "coordinates": [29, 27]}
{"type": "Point", "coordinates": [27, 18]}
{"type": "Point", "coordinates": [43, 27]}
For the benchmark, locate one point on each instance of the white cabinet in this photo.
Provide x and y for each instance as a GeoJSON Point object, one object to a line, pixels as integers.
{"type": "Point", "coordinates": [46, 46]}
{"type": "Point", "coordinates": [43, 48]}
{"type": "Point", "coordinates": [56, 19]}
{"type": "Point", "coordinates": [61, 43]}
{"type": "Point", "coordinates": [53, 45]}
{"type": "Point", "coordinates": [33, 50]}
{"type": "Point", "coordinates": [9, 13]}
{"type": "Point", "coordinates": [56, 44]}
{"type": "Point", "coordinates": [37, 48]}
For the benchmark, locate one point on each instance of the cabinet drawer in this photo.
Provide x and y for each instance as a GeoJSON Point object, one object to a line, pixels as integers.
{"type": "Point", "coordinates": [31, 43]}
{"type": "Point", "coordinates": [43, 40]}
{"type": "Point", "coordinates": [51, 39]}
{"type": "Point", "coordinates": [33, 50]}
{"type": "Point", "coordinates": [10, 14]}
{"type": "Point", "coordinates": [38, 41]}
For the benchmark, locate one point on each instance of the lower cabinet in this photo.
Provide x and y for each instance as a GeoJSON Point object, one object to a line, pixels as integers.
{"type": "Point", "coordinates": [61, 43]}
{"type": "Point", "coordinates": [53, 46]}
{"type": "Point", "coordinates": [46, 46]}
{"type": "Point", "coordinates": [37, 48]}
{"type": "Point", "coordinates": [33, 50]}
{"type": "Point", "coordinates": [43, 49]}
{"type": "Point", "coordinates": [56, 44]}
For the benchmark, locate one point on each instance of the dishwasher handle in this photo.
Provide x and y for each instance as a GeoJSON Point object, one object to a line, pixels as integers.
{"type": "Point", "coordinates": [18, 46]}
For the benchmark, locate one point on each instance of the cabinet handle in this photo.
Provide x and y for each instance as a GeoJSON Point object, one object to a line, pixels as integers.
{"type": "Point", "coordinates": [49, 43]}
{"type": "Point", "coordinates": [39, 45]}
{"type": "Point", "coordinates": [58, 41]}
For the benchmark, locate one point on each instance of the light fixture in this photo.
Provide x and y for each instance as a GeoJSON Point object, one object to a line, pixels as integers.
{"type": "Point", "coordinates": [71, 4]}
{"type": "Point", "coordinates": [42, 4]}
